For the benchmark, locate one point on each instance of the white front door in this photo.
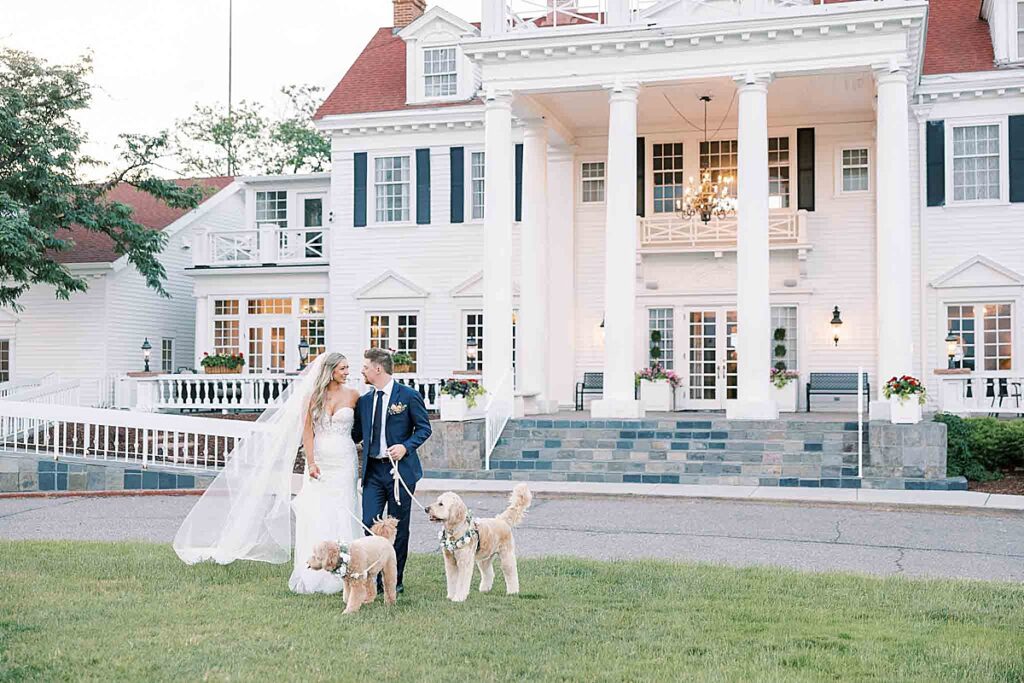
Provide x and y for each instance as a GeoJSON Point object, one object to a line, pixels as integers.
{"type": "Point", "coordinates": [268, 346]}
{"type": "Point", "coordinates": [711, 362]}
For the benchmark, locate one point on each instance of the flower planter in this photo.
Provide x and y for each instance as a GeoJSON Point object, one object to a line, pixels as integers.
{"type": "Point", "coordinates": [221, 370]}
{"type": "Point", "coordinates": [905, 412]}
{"type": "Point", "coordinates": [454, 409]}
{"type": "Point", "coordinates": [402, 368]}
{"type": "Point", "coordinates": [786, 397]}
{"type": "Point", "coordinates": [656, 395]}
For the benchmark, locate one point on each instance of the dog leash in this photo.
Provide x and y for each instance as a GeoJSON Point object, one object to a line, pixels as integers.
{"type": "Point", "coordinates": [399, 480]}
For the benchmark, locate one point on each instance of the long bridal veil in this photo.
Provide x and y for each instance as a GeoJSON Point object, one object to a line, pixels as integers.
{"type": "Point", "coordinates": [245, 514]}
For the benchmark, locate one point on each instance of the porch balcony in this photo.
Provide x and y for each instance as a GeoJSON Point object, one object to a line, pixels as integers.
{"type": "Point", "coordinates": [266, 244]}
{"type": "Point", "coordinates": [669, 233]}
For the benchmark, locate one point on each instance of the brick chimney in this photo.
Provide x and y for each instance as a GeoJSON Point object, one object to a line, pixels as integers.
{"type": "Point", "coordinates": [408, 11]}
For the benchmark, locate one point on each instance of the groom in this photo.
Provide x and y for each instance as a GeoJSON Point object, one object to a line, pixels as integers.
{"type": "Point", "coordinates": [391, 421]}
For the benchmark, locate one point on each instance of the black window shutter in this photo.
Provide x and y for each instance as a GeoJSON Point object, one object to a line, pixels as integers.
{"type": "Point", "coordinates": [935, 162]}
{"type": "Point", "coordinates": [641, 203]}
{"type": "Point", "coordinates": [423, 187]}
{"type": "Point", "coordinates": [458, 184]}
{"type": "Point", "coordinates": [359, 191]}
{"type": "Point", "coordinates": [519, 182]}
{"type": "Point", "coordinates": [805, 168]}
{"type": "Point", "coordinates": [1016, 135]}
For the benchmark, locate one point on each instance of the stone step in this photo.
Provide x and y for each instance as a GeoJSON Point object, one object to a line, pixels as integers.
{"type": "Point", "coordinates": [676, 467]}
{"type": "Point", "coordinates": [683, 424]}
{"type": "Point", "coordinates": [949, 484]}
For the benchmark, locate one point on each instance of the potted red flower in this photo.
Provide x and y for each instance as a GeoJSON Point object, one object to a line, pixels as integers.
{"type": "Point", "coordinates": [458, 400]}
{"type": "Point", "coordinates": [906, 396]}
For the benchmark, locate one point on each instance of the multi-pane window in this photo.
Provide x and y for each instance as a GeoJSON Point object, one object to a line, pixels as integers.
{"type": "Point", "coordinates": [993, 351]}
{"type": "Point", "coordinates": [439, 72]}
{"type": "Point", "coordinates": [592, 178]}
{"type": "Point", "coordinates": [313, 217]}
{"type": "Point", "coordinates": [166, 355]}
{"type": "Point", "coordinates": [398, 331]}
{"type": "Point", "coordinates": [778, 173]}
{"type": "Point", "coordinates": [975, 162]}
{"type": "Point", "coordinates": [855, 173]}
{"type": "Point", "coordinates": [668, 176]}
{"type": "Point", "coordinates": [661, 349]}
{"type": "Point", "coordinates": [392, 179]}
{"type": "Point", "coordinates": [720, 157]}
{"type": "Point", "coordinates": [5, 360]}
{"type": "Point", "coordinates": [312, 326]}
{"type": "Point", "coordinates": [784, 338]}
{"type": "Point", "coordinates": [270, 306]}
{"type": "Point", "coordinates": [474, 329]}
{"type": "Point", "coordinates": [477, 168]}
{"type": "Point", "coordinates": [225, 326]}
{"type": "Point", "coordinates": [960, 321]}
{"type": "Point", "coordinates": [272, 207]}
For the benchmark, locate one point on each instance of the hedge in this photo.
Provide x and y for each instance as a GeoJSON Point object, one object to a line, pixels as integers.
{"type": "Point", "coordinates": [979, 448]}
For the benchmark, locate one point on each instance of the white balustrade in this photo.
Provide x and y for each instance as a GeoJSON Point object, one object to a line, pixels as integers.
{"type": "Point", "coordinates": [981, 393]}
{"type": "Point", "coordinates": [210, 392]}
{"type": "Point", "coordinates": [499, 409]}
{"type": "Point", "coordinates": [268, 243]}
{"type": "Point", "coordinates": [669, 232]}
{"type": "Point", "coordinates": [429, 389]}
{"type": "Point", "coordinates": [121, 436]}
{"type": "Point", "coordinates": [62, 393]}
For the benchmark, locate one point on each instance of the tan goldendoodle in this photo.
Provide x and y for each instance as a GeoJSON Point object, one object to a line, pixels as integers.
{"type": "Point", "coordinates": [360, 562]}
{"type": "Point", "coordinates": [464, 539]}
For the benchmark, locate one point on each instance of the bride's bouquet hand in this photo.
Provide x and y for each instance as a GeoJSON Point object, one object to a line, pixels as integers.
{"type": "Point", "coordinates": [313, 470]}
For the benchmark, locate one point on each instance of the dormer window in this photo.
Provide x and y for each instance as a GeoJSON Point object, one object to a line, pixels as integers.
{"type": "Point", "coordinates": [440, 72]}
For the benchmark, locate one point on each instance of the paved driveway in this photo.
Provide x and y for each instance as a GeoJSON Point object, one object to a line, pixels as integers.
{"type": "Point", "coordinates": [813, 537]}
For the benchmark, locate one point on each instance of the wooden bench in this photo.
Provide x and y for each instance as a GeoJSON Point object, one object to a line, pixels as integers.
{"type": "Point", "coordinates": [835, 383]}
{"type": "Point", "coordinates": [593, 383]}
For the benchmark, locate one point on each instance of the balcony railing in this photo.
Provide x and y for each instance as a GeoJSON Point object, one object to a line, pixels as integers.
{"type": "Point", "coordinates": [982, 393]}
{"type": "Point", "coordinates": [504, 16]}
{"type": "Point", "coordinates": [268, 243]}
{"type": "Point", "coordinates": [670, 233]}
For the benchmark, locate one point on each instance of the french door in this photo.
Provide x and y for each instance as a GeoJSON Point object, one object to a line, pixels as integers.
{"type": "Point", "coordinates": [711, 358]}
{"type": "Point", "coordinates": [268, 346]}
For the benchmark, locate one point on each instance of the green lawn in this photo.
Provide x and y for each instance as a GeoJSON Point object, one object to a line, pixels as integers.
{"type": "Point", "coordinates": [132, 611]}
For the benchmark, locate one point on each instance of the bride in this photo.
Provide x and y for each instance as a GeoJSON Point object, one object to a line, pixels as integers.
{"type": "Point", "coordinates": [246, 511]}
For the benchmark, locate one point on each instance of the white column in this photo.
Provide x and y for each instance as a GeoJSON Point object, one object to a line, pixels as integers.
{"type": "Point", "coordinates": [753, 308]}
{"type": "Point", "coordinates": [892, 196]}
{"type": "Point", "coordinates": [618, 12]}
{"type": "Point", "coordinates": [532, 365]}
{"type": "Point", "coordinates": [561, 294]}
{"type": "Point", "coordinates": [498, 208]}
{"type": "Point", "coordinates": [620, 259]}
{"type": "Point", "coordinates": [492, 15]}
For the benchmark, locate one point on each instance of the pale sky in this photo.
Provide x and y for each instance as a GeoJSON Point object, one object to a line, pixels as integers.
{"type": "Point", "coordinates": [153, 59]}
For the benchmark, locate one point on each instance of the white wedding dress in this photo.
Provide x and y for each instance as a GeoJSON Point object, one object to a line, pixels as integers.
{"type": "Point", "coordinates": [327, 508]}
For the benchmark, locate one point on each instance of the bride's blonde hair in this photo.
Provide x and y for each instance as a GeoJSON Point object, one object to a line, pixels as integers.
{"type": "Point", "coordinates": [323, 380]}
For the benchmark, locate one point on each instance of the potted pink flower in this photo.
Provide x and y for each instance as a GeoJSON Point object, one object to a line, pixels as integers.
{"type": "Point", "coordinates": [657, 387]}
{"type": "Point", "coordinates": [784, 389]}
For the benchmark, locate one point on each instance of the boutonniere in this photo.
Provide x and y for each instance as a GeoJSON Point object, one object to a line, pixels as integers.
{"type": "Point", "coordinates": [397, 409]}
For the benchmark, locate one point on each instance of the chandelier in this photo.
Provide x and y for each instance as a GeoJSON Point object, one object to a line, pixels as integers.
{"type": "Point", "coordinates": [710, 198]}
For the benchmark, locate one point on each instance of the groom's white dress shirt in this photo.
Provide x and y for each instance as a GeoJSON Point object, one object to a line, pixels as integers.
{"type": "Point", "coordinates": [385, 402]}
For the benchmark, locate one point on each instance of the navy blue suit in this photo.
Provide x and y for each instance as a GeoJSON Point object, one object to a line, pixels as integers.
{"type": "Point", "coordinates": [409, 427]}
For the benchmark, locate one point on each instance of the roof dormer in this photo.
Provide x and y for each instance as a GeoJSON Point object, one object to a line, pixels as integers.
{"type": "Point", "coordinates": [437, 70]}
{"type": "Point", "coordinates": [1006, 23]}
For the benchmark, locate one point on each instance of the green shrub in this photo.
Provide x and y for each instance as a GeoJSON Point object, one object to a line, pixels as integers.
{"type": "Point", "coordinates": [979, 447]}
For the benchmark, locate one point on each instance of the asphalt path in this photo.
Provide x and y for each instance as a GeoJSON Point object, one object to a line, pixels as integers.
{"type": "Point", "coordinates": [920, 542]}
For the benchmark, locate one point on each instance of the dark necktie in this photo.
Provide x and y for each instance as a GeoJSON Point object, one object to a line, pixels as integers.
{"type": "Point", "coordinates": [378, 409]}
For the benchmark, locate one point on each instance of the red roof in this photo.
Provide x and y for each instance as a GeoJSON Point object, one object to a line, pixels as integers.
{"type": "Point", "coordinates": [94, 247]}
{"type": "Point", "coordinates": [958, 38]}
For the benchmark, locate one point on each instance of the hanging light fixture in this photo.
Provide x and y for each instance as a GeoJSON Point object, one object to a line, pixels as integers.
{"type": "Point", "coordinates": [710, 197]}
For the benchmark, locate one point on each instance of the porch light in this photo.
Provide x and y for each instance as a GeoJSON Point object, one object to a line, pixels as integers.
{"type": "Point", "coordinates": [953, 349]}
{"type": "Point", "coordinates": [147, 349]}
{"type": "Point", "coordinates": [836, 323]}
{"type": "Point", "coordinates": [303, 353]}
{"type": "Point", "coordinates": [710, 198]}
{"type": "Point", "coordinates": [472, 349]}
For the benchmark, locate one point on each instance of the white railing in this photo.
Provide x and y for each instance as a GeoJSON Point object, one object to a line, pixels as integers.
{"type": "Point", "coordinates": [106, 392]}
{"type": "Point", "coordinates": [500, 406]}
{"type": "Point", "coordinates": [268, 243]}
{"type": "Point", "coordinates": [209, 392]}
{"type": "Point", "coordinates": [996, 393]}
{"type": "Point", "coordinates": [503, 16]}
{"type": "Point", "coordinates": [669, 232]}
{"type": "Point", "coordinates": [118, 435]}
{"type": "Point", "coordinates": [24, 383]}
{"type": "Point", "coordinates": [61, 394]}
{"type": "Point", "coordinates": [429, 389]}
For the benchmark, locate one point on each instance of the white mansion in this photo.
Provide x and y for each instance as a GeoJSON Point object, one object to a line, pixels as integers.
{"type": "Point", "coordinates": [531, 173]}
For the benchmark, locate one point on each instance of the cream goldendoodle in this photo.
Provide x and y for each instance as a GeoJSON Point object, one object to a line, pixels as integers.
{"type": "Point", "coordinates": [464, 539]}
{"type": "Point", "coordinates": [360, 562]}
